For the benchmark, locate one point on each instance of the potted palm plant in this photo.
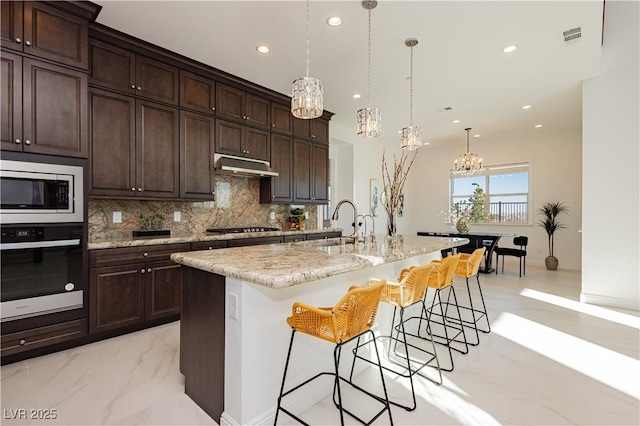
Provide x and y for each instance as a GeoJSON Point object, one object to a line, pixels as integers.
{"type": "Point", "coordinates": [550, 223]}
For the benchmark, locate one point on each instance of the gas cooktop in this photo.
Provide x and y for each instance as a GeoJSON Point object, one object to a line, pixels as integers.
{"type": "Point", "coordinates": [240, 230]}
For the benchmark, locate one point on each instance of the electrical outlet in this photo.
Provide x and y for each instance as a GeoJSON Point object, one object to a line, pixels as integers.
{"type": "Point", "coordinates": [272, 215]}
{"type": "Point", "coordinates": [177, 216]}
{"type": "Point", "coordinates": [306, 215]}
{"type": "Point", "coordinates": [233, 306]}
{"type": "Point", "coordinates": [117, 217]}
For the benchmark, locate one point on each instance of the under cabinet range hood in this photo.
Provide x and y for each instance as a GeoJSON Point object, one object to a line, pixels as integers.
{"type": "Point", "coordinates": [242, 166]}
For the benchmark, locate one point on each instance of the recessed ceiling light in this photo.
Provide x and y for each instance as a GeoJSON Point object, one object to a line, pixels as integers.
{"type": "Point", "coordinates": [356, 96]}
{"type": "Point", "coordinates": [526, 107]}
{"type": "Point", "coordinates": [476, 136]}
{"type": "Point", "coordinates": [334, 21]}
{"type": "Point", "coordinates": [510, 48]}
{"type": "Point", "coordinates": [537, 126]}
{"type": "Point", "coordinates": [263, 49]}
{"type": "Point", "coordinates": [455, 121]}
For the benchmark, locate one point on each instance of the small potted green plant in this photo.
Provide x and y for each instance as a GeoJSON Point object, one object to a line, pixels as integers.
{"type": "Point", "coordinates": [551, 224]}
{"type": "Point", "coordinates": [151, 225]}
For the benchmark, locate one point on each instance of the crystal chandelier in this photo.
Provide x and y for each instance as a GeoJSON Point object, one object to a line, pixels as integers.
{"type": "Point", "coordinates": [306, 92]}
{"type": "Point", "coordinates": [369, 120]}
{"type": "Point", "coordinates": [467, 162]}
{"type": "Point", "coordinates": [411, 137]}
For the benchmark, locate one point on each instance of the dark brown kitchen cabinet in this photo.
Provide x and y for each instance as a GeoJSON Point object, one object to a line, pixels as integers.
{"type": "Point", "coordinates": [316, 129]}
{"type": "Point", "coordinates": [243, 242]}
{"type": "Point", "coordinates": [45, 31]}
{"type": "Point", "coordinates": [279, 189]}
{"type": "Point", "coordinates": [42, 336]}
{"type": "Point", "coordinates": [197, 93]}
{"type": "Point", "coordinates": [238, 105]}
{"type": "Point", "coordinates": [281, 118]}
{"type": "Point", "coordinates": [119, 69]}
{"type": "Point", "coordinates": [133, 285]}
{"type": "Point", "coordinates": [197, 142]}
{"type": "Point", "coordinates": [208, 245]}
{"type": "Point", "coordinates": [310, 167]}
{"type": "Point", "coordinates": [242, 141]}
{"type": "Point", "coordinates": [134, 147]}
{"type": "Point", "coordinates": [44, 108]}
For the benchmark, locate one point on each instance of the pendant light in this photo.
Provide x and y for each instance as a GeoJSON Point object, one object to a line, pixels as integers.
{"type": "Point", "coordinates": [306, 92]}
{"type": "Point", "coordinates": [468, 162]}
{"type": "Point", "coordinates": [411, 137]}
{"type": "Point", "coordinates": [369, 120]}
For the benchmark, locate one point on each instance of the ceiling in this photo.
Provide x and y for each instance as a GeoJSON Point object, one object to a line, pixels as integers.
{"type": "Point", "coordinates": [458, 62]}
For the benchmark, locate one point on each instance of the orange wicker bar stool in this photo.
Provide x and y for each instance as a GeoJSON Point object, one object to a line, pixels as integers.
{"type": "Point", "coordinates": [409, 291]}
{"type": "Point", "coordinates": [468, 267]}
{"type": "Point", "coordinates": [441, 278]}
{"type": "Point", "coordinates": [350, 318]}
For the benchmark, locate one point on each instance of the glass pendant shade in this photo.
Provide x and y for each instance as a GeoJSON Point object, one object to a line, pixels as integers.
{"type": "Point", "coordinates": [306, 98]}
{"type": "Point", "coordinates": [411, 138]}
{"type": "Point", "coordinates": [468, 162]}
{"type": "Point", "coordinates": [369, 122]}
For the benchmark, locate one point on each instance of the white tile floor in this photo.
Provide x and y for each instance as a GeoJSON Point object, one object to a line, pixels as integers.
{"type": "Point", "coordinates": [548, 361]}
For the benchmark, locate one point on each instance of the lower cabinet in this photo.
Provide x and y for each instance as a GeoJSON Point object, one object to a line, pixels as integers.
{"type": "Point", "coordinates": [39, 337]}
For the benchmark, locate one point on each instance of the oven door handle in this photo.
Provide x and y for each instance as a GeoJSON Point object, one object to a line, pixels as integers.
{"type": "Point", "coordinates": [39, 244]}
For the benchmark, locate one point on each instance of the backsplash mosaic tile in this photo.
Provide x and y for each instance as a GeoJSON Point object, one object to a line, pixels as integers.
{"type": "Point", "coordinates": [237, 205]}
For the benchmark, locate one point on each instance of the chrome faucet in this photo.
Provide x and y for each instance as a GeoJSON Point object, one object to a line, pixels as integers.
{"type": "Point", "coordinates": [373, 224]}
{"type": "Point", "coordinates": [355, 215]}
{"type": "Point", "coordinates": [364, 222]}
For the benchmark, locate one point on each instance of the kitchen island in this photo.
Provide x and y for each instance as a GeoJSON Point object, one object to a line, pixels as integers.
{"type": "Point", "coordinates": [233, 334]}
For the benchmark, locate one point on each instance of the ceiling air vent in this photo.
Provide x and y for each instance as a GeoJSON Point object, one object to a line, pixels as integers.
{"type": "Point", "coordinates": [573, 35]}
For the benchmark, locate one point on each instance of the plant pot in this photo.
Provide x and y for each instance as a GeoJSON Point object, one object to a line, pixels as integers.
{"type": "Point", "coordinates": [551, 262]}
{"type": "Point", "coordinates": [153, 233]}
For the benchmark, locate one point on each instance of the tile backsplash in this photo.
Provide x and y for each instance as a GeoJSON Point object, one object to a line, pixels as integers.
{"type": "Point", "coordinates": [237, 205]}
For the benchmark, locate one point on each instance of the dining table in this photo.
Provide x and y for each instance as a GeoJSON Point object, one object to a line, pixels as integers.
{"type": "Point", "coordinates": [489, 240]}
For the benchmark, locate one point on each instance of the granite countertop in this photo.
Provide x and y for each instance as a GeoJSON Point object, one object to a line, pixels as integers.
{"type": "Point", "coordinates": [118, 240]}
{"type": "Point", "coordinates": [285, 265]}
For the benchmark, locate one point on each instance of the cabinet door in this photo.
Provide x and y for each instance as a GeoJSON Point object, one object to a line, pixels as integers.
{"type": "Point", "coordinates": [11, 98]}
{"type": "Point", "coordinates": [257, 111]}
{"type": "Point", "coordinates": [157, 150]}
{"type": "Point", "coordinates": [157, 80]}
{"type": "Point", "coordinates": [11, 29]}
{"type": "Point", "coordinates": [281, 118]}
{"type": "Point", "coordinates": [112, 160]}
{"type": "Point", "coordinates": [279, 189]}
{"type": "Point", "coordinates": [301, 128]}
{"type": "Point", "coordinates": [320, 173]}
{"type": "Point", "coordinates": [230, 102]}
{"type": "Point", "coordinates": [229, 138]}
{"type": "Point", "coordinates": [320, 130]}
{"type": "Point", "coordinates": [197, 93]}
{"type": "Point", "coordinates": [116, 297]}
{"type": "Point", "coordinates": [197, 138]}
{"type": "Point", "coordinates": [55, 110]}
{"type": "Point", "coordinates": [163, 289]}
{"type": "Point", "coordinates": [302, 153]}
{"type": "Point", "coordinates": [112, 67]}
{"type": "Point", "coordinates": [256, 144]}
{"type": "Point", "coordinates": [53, 34]}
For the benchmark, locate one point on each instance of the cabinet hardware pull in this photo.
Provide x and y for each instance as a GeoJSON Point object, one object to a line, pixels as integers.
{"type": "Point", "coordinates": [273, 125]}
{"type": "Point", "coordinates": [149, 270]}
{"type": "Point", "coordinates": [142, 271]}
{"type": "Point", "coordinates": [18, 141]}
{"type": "Point", "coordinates": [145, 254]}
{"type": "Point", "coordinates": [213, 108]}
{"type": "Point", "coordinates": [22, 342]}
{"type": "Point", "coordinates": [139, 88]}
{"type": "Point", "coordinates": [247, 117]}
{"type": "Point", "coordinates": [18, 40]}
{"type": "Point", "coordinates": [133, 86]}
{"type": "Point", "coordinates": [248, 152]}
{"type": "Point", "coordinates": [210, 248]}
{"type": "Point", "coordinates": [139, 189]}
{"type": "Point", "coordinates": [27, 142]}
{"type": "Point", "coordinates": [28, 43]}
{"type": "Point", "coordinates": [133, 189]}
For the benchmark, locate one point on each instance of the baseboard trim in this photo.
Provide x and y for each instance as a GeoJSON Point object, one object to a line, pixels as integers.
{"type": "Point", "coordinates": [614, 302]}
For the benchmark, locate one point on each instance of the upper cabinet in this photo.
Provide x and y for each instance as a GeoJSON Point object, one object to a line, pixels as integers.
{"type": "Point", "coordinates": [242, 141]}
{"type": "Point", "coordinates": [44, 108]}
{"type": "Point", "coordinates": [197, 93]}
{"type": "Point", "coordinates": [119, 69]}
{"type": "Point", "coordinates": [45, 31]}
{"type": "Point", "coordinates": [316, 129]}
{"type": "Point", "coordinates": [281, 118]}
{"type": "Point", "coordinates": [238, 105]}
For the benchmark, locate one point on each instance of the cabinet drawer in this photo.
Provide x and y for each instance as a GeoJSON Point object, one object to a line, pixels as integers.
{"type": "Point", "coordinates": [127, 255]}
{"type": "Point", "coordinates": [208, 245]}
{"type": "Point", "coordinates": [324, 235]}
{"type": "Point", "coordinates": [294, 238]}
{"type": "Point", "coordinates": [254, 241]}
{"type": "Point", "coordinates": [42, 336]}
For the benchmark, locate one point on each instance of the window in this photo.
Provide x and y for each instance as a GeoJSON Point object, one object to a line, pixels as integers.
{"type": "Point", "coordinates": [496, 194]}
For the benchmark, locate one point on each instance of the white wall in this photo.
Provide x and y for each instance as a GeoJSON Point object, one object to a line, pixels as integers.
{"type": "Point", "coordinates": [611, 189]}
{"type": "Point", "coordinates": [555, 175]}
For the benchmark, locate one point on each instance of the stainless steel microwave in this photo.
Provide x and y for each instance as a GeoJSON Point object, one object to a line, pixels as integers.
{"type": "Point", "coordinates": [40, 193]}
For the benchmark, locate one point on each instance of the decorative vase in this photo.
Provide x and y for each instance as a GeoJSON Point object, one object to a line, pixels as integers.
{"type": "Point", "coordinates": [391, 224]}
{"type": "Point", "coordinates": [463, 225]}
{"type": "Point", "coordinates": [551, 262]}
